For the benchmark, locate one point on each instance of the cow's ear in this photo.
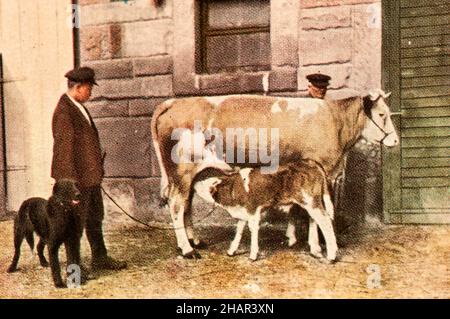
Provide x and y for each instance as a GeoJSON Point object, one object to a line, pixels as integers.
{"type": "Point", "coordinates": [367, 105]}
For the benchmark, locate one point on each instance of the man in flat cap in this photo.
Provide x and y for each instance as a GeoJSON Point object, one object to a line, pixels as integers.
{"type": "Point", "coordinates": [77, 155]}
{"type": "Point", "coordinates": [318, 85]}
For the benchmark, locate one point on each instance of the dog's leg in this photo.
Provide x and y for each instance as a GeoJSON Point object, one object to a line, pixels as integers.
{"type": "Point", "coordinates": [40, 251]}
{"type": "Point", "coordinates": [30, 239]}
{"type": "Point", "coordinates": [73, 257]}
{"type": "Point", "coordinates": [18, 238]}
{"type": "Point", "coordinates": [53, 247]}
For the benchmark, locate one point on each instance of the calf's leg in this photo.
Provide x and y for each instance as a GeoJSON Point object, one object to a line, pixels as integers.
{"type": "Point", "coordinates": [253, 224]}
{"type": "Point", "coordinates": [237, 237]}
{"type": "Point", "coordinates": [313, 239]}
{"type": "Point", "coordinates": [326, 226]}
{"type": "Point", "coordinates": [290, 230]}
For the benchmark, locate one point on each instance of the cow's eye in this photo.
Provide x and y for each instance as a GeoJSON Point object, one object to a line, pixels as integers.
{"type": "Point", "coordinates": [381, 115]}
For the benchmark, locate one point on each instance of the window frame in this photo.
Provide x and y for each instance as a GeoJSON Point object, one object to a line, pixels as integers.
{"type": "Point", "coordinates": [206, 32]}
{"type": "Point", "coordinates": [282, 76]}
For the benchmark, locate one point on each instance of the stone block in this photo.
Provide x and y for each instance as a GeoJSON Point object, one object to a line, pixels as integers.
{"type": "Point", "coordinates": [140, 107]}
{"type": "Point", "coordinates": [283, 79]}
{"type": "Point", "coordinates": [329, 3]}
{"type": "Point", "coordinates": [326, 18]}
{"type": "Point", "coordinates": [367, 39]}
{"type": "Point", "coordinates": [106, 12]}
{"type": "Point", "coordinates": [147, 38]}
{"type": "Point", "coordinates": [212, 81]}
{"type": "Point", "coordinates": [324, 47]}
{"type": "Point", "coordinates": [90, 2]}
{"type": "Point", "coordinates": [284, 32]}
{"type": "Point", "coordinates": [127, 143]}
{"type": "Point", "coordinates": [113, 69]}
{"type": "Point", "coordinates": [153, 66]}
{"type": "Point", "coordinates": [157, 86]}
{"type": "Point", "coordinates": [118, 89]}
{"type": "Point", "coordinates": [251, 82]}
{"type": "Point", "coordinates": [106, 108]}
{"type": "Point", "coordinates": [100, 42]}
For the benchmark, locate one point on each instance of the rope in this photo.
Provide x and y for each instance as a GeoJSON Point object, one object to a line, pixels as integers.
{"type": "Point", "coordinates": [146, 224]}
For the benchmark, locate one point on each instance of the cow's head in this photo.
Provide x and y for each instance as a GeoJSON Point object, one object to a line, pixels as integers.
{"type": "Point", "coordinates": [379, 127]}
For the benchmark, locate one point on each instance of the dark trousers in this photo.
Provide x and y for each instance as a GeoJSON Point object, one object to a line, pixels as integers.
{"type": "Point", "coordinates": [93, 213]}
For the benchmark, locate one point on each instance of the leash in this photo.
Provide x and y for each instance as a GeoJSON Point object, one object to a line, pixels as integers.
{"type": "Point", "coordinates": [146, 224]}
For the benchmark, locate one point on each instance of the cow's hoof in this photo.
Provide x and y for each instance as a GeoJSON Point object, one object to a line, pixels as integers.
{"type": "Point", "coordinates": [317, 254]}
{"type": "Point", "coordinates": [44, 263]}
{"type": "Point", "coordinates": [230, 254]}
{"type": "Point", "coordinates": [327, 261]}
{"type": "Point", "coordinates": [253, 258]}
{"type": "Point", "coordinates": [199, 245]}
{"type": "Point", "coordinates": [192, 255]}
{"type": "Point", "coordinates": [293, 245]}
{"type": "Point", "coordinates": [11, 269]}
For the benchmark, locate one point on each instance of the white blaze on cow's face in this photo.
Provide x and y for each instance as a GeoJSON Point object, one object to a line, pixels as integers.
{"type": "Point", "coordinates": [381, 115]}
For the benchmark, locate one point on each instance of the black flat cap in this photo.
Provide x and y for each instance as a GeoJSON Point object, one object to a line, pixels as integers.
{"type": "Point", "coordinates": [82, 75]}
{"type": "Point", "coordinates": [319, 79]}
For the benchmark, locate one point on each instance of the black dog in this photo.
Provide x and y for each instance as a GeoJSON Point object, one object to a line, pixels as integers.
{"type": "Point", "coordinates": [56, 221]}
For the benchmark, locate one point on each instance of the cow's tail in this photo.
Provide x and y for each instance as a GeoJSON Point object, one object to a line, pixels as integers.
{"type": "Point", "coordinates": [162, 108]}
{"type": "Point", "coordinates": [327, 201]}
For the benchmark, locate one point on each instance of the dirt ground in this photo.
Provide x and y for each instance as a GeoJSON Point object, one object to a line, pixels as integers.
{"type": "Point", "coordinates": [414, 263]}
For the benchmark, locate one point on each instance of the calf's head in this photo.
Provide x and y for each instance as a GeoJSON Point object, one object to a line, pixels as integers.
{"type": "Point", "coordinates": [230, 191]}
{"type": "Point", "coordinates": [379, 127]}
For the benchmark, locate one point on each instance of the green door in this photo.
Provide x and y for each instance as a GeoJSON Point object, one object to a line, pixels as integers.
{"type": "Point", "coordinates": [416, 68]}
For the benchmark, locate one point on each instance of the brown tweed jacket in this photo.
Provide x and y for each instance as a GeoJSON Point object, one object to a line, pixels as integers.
{"type": "Point", "coordinates": [76, 146]}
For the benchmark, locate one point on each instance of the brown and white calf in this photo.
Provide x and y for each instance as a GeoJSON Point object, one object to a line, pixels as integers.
{"type": "Point", "coordinates": [245, 194]}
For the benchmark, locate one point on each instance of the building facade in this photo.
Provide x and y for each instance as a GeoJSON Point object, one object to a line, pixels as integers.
{"type": "Point", "coordinates": [146, 51]}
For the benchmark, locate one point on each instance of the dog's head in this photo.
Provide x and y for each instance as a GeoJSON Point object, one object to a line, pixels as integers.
{"type": "Point", "coordinates": [66, 194]}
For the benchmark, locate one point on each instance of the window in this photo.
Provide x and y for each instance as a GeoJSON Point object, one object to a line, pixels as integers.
{"type": "Point", "coordinates": [235, 36]}
{"type": "Point", "coordinates": [271, 61]}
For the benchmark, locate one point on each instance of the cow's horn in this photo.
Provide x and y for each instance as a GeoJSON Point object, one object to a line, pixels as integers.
{"type": "Point", "coordinates": [374, 95]}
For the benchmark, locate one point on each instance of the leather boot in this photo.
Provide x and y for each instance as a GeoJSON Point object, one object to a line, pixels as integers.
{"type": "Point", "coordinates": [100, 258]}
{"type": "Point", "coordinates": [107, 263]}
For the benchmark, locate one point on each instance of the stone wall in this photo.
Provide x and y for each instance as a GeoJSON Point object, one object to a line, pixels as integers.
{"type": "Point", "coordinates": [135, 48]}
{"type": "Point", "coordinates": [343, 41]}
{"type": "Point", "coordinates": [130, 47]}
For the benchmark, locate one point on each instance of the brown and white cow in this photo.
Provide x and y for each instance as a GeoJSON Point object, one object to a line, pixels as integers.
{"type": "Point", "coordinates": [321, 130]}
{"type": "Point", "coordinates": [246, 193]}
